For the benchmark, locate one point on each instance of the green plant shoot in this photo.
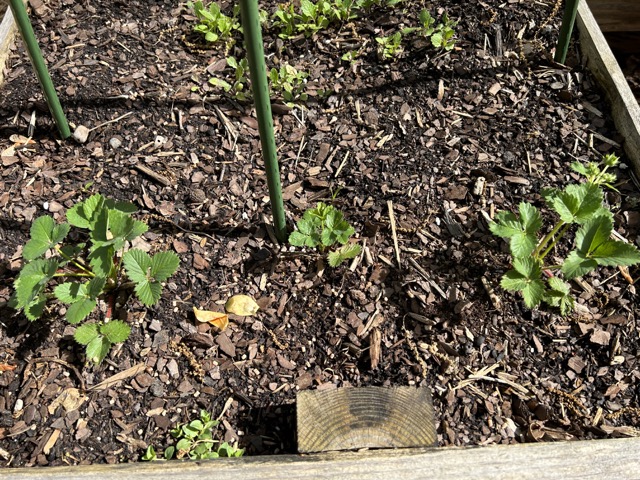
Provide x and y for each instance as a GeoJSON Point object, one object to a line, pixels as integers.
{"type": "Point", "coordinates": [195, 441]}
{"type": "Point", "coordinates": [79, 274]}
{"type": "Point", "coordinates": [578, 204]}
{"type": "Point", "coordinates": [324, 226]}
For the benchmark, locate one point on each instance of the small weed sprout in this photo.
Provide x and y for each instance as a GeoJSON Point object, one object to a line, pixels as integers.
{"type": "Point", "coordinates": [389, 47]}
{"type": "Point", "coordinates": [323, 227]}
{"type": "Point", "coordinates": [443, 34]}
{"type": "Point", "coordinates": [195, 441]}
{"type": "Point", "coordinates": [289, 82]}
{"type": "Point", "coordinates": [79, 274]}
{"type": "Point", "coordinates": [578, 204]}
{"type": "Point", "coordinates": [214, 25]}
{"type": "Point", "coordinates": [238, 89]}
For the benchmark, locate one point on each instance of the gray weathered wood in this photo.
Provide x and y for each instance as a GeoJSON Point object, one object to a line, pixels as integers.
{"type": "Point", "coordinates": [7, 32]}
{"type": "Point", "coordinates": [594, 459]}
{"type": "Point", "coordinates": [603, 65]}
{"type": "Point", "coordinates": [616, 15]}
{"type": "Point", "coordinates": [365, 417]}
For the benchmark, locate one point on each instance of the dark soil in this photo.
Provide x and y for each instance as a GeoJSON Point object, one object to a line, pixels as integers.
{"type": "Point", "coordinates": [413, 135]}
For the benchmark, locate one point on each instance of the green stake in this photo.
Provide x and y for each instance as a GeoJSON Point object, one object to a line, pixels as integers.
{"type": "Point", "coordinates": [24, 25]}
{"type": "Point", "coordinates": [258, 74]}
{"type": "Point", "coordinates": [568, 19]}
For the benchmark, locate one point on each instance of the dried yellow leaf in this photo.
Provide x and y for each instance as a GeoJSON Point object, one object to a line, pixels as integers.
{"type": "Point", "coordinates": [242, 305]}
{"type": "Point", "coordinates": [217, 319]}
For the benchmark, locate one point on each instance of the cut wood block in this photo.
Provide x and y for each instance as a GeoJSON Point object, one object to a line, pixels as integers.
{"type": "Point", "coordinates": [367, 417]}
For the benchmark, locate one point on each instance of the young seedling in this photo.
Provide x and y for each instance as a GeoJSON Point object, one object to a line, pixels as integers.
{"type": "Point", "coordinates": [324, 226]}
{"type": "Point", "coordinates": [195, 441]}
{"type": "Point", "coordinates": [79, 274]}
{"type": "Point", "coordinates": [443, 35]}
{"type": "Point", "coordinates": [214, 25]}
{"type": "Point", "coordinates": [389, 47]}
{"type": "Point", "coordinates": [239, 88]}
{"type": "Point", "coordinates": [290, 82]}
{"type": "Point", "coordinates": [578, 204]}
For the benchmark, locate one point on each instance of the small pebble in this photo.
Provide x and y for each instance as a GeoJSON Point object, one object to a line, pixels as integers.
{"type": "Point", "coordinates": [18, 406]}
{"type": "Point", "coordinates": [115, 143]}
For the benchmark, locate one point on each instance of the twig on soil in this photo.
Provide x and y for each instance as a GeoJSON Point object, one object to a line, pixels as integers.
{"type": "Point", "coordinates": [423, 273]}
{"type": "Point", "coordinates": [156, 176]}
{"type": "Point", "coordinates": [342, 164]}
{"type": "Point", "coordinates": [495, 299]}
{"type": "Point", "coordinates": [392, 221]}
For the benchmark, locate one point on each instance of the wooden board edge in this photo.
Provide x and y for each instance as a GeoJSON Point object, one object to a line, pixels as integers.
{"type": "Point", "coordinates": [604, 67]}
{"type": "Point", "coordinates": [613, 458]}
{"type": "Point", "coordinates": [7, 33]}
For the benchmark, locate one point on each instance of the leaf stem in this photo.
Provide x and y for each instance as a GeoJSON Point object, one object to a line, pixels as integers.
{"type": "Point", "coordinates": [546, 239]}
{"type": "Point", "coordinates": [565, 227]}
{"type": "Point", "coordinates": [71, 274]}
{"type": "Point", "coordinates": [75, 262]}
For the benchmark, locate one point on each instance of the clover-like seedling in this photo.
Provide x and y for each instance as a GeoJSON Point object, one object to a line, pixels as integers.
{"type": "Point", "coordinates": [323, 227]}
{"type": "Point", "coordinates": [577, 204]}
{"type": "Point", "coordinates": [195, 441]}
{"type": "Point", "coordinates": [213, 24]}
{"type": "Point", "coordinates": [79, 274]}
{"type": "Point", "coordinates": [290, 82]}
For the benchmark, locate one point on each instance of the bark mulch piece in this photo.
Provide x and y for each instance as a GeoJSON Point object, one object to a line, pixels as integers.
{"type": "Point", "coordinates": [409, 137]}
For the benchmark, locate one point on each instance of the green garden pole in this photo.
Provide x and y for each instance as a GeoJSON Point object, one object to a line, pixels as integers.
{"type": "Point", "coordinates": [258, 74]}
{"type": "Point", "coordinates": [568, 20]}
{"type": "Point", "coordinates": [24, 25]}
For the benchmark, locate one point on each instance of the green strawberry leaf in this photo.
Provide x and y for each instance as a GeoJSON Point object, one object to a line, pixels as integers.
{"type": "Point", "coordinates": [101, 260]}
{"type": "Point", "coordinates": [350, 250]}
{"type": "Point", "coordinates": [148, 292]}
{"type": "Point", "coordinates": [34, 310]}
{"type": "Point", "coordinates": [577, 203]}
{"type": "Point", "coordinates": [115, 331]}
{"type": "Point", "coordinates": [525, 277]}
{"type": "Point", "coordinates": [163, 265]}
{"type": "Point", "coordinates": [80, 309]}
{"type": "Point", "coordinates": [559, 295]}
{"type": "Point", "coordinates": [45, 234]}
{"type": "Point", "coordinates": [86, 333]}
{"type": "Point", "coordinates": [33, 279]}
{"type": "Point", "coordinates": [137, 264]}
{"type": "Point", "coordinates": [97, 349]}
{"type": "Point", "coordinates": [576, 265]}
{"type": "Point", "coordinates": [69, 292]}
{"type": "Point", "coordinates": [521, 231]}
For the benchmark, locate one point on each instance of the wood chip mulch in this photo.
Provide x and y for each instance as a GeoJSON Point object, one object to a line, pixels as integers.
{"type": "Point", "coordinates": [408, 138]}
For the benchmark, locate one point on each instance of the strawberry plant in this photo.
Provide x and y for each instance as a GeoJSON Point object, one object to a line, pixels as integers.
{"type": "Point", "coordinates": [79, 274]}
{"type": "Point", "coordinates": [581, 205]}
{"type": "Point", "coordinates": [324, 226]}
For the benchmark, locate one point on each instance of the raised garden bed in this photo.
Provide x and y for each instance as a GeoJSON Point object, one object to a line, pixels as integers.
{"type": "Point", "coordinates": [410, 136]}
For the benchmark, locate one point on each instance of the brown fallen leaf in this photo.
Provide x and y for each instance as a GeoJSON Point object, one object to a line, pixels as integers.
{"type": "Point", "coordinates": [242, 305]}
{"type": "Point", "coordinates": [70, 399]}
{"type": "Point", "coordinates": [118, 377]}
{"type": "Point", "coordinates": [217, 319]}
{"type": "Point", "coordinates": [5, 367]}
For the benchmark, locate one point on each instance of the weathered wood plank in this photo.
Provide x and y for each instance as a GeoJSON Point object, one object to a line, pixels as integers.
{"type": "Point", "coordinates": [593, 459]}
{"type": "Point", "coordinates": [7, 32]}
{"type": "Point", "coordinates": [365, 417]}
{"type": "Point", "coordinates": [616, 15]}
{"type": "Point", "coordinates": [603, 65]}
